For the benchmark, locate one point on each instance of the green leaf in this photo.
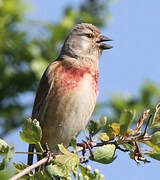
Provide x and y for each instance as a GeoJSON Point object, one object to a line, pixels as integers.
{"type": "Point", "coordinates": [63, 149]}
{"type": "Point", "coordinates": [83, 170]}
{"type": "Point", "coordinates": [125, 121]}
{"type": "Point", "coordinates": [128, 146]}
{"type": "Point", "coordinates": [155, 139]}
{"type": "Point", "coordinates": [7, 158]}
{"type": "Point", "coordinates": [92, 127]}
{"type": "Point", "coordinates": [156, 118]}
{"type": "Point", "coordinates": [41, 175]}
{"type": "Point", "coordinates": [116, 128]}
{"type": "Point", "coordinates": [55, 170]}
{"type": "Point", "coordinates": [132, 155]}
{"type": "Point", "coordinates": [104, 154]}
{"type": "Point", "coordinates": [63, 164]}
{"type": "Point", "coordinates": [109, 131]}
{"type": "Point", "coordinates": [103, 121]}
{"type": "Point", "coordinates": [31, 131]}
{"type": "Point", "coordinates": [4, 147]}
{"type": "Point", "coordinates": [74, 143]}
{"type": "Point", "coordinates": [154, 155]}
{"type": "Point", "coordinates": [103, 137]}
{"type": "Point", "coordinates": [19, 166]}
{"type": "Point", "coordinates": [155, 147]}
{"type": "Point", "coordinates": [69, 160]}
{"type": "Point", "coordinates": [95, 127]}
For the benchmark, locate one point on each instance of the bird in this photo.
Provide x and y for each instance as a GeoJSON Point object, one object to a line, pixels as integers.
{"type": "Point", "coordinates": [68, 90]}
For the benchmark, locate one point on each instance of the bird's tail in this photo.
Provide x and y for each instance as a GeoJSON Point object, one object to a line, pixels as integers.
{"type": "Point", "coordinates": [30, 156]}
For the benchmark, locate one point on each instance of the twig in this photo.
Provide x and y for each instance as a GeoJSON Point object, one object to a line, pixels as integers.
{"type": "Point", "coordinates": [91, 144]}
{"type": "Point", "coordinates": [46, 159]}
{"type": "Point", "coordinates": [30, 168]}
{"type": "Point", "coordinates": [112, 142]}
{"type": "Point", "coordinates": [28, 153]}
{"type": "Point", "coordinates": [121, 149]}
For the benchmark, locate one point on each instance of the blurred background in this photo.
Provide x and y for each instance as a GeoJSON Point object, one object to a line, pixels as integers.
{"type": "Point", "coordinates": [31, 35]}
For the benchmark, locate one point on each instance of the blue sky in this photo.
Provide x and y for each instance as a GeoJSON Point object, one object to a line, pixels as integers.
{"type": "Point", "coordinates": [135, 29]}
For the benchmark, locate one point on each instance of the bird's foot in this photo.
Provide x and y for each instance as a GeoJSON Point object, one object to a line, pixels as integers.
{"type": "Point", "coordinates": [48, 153]}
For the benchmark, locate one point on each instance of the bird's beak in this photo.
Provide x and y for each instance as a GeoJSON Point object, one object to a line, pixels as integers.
{"type": "Point", "coordinates": [102, 45]}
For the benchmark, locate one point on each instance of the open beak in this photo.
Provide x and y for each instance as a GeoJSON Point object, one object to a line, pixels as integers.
{"type": "Point", "coordinates": [104, 46]}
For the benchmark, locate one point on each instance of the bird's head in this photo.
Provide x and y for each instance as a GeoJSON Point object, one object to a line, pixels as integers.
{"type": "Point", "coordinates": [85, 40]}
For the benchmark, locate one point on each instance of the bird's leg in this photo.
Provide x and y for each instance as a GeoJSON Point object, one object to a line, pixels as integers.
{"type": "Point", "coordinates": [48, 153]}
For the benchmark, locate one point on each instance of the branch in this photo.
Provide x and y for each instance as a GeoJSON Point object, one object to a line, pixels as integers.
{"type": "Point", "coordinates": [128, 138]}
{"type": "Point", "coordinates": [30, 168]}
{"type": "Point", "coordinates": [112, 142]}
{"type": "Point", "coordinates": [49, 157]}
{"type": "Point", "coordinates": [28, 153]}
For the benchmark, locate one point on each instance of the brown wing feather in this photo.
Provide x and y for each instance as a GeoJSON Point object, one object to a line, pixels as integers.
{"type": "Point", "coordinates": [42, 92]}
{"type": "Point", "coordinates": [44, 88]}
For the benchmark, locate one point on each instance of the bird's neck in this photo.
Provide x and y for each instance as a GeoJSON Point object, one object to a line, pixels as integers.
{"type": "Point", "coordinates": [80, 62]}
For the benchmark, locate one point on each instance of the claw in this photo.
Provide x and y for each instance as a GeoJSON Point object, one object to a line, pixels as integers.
{"type": "Point", "coordinates": [48, 153]}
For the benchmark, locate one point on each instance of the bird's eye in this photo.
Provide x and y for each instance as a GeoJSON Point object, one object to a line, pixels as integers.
{"type": "Point", "coordinates": [89, 35]}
